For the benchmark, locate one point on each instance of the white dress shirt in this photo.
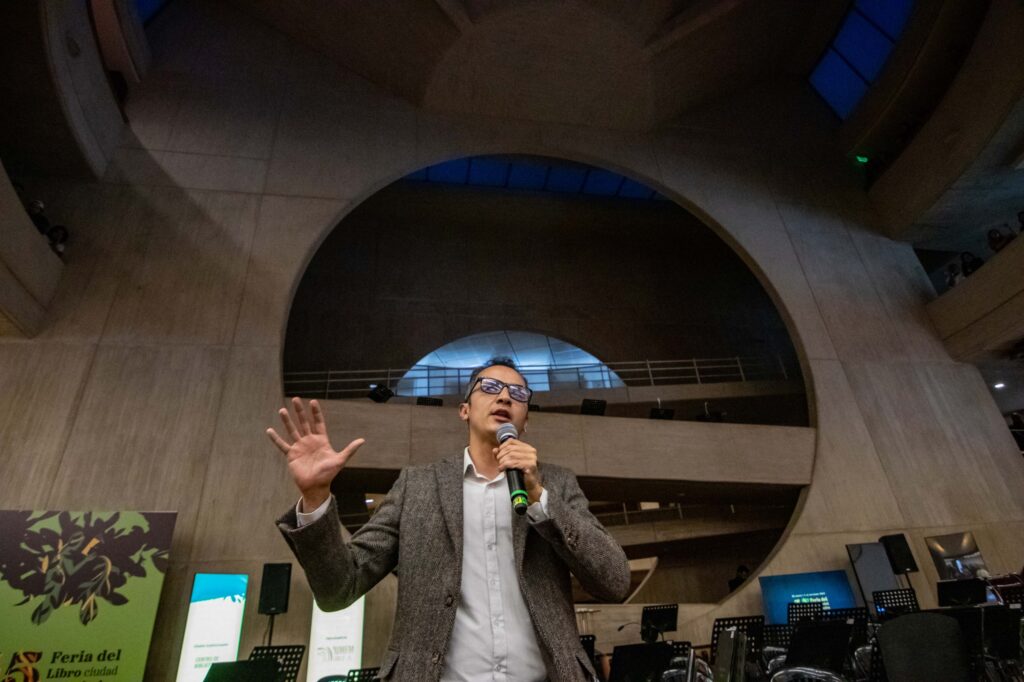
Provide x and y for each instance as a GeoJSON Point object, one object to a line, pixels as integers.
{"type": "Point", "coordinates": [493, 637]}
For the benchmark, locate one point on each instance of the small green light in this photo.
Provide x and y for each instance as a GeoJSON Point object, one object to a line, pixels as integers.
{"type": "Point", "coordinates": [861, 159]}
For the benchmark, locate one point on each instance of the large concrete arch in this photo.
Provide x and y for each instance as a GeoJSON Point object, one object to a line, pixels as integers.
{"type": "Point", "coordinates": [159, 366]}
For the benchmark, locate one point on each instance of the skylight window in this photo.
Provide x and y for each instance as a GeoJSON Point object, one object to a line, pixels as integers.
{"type": "Point", "coordinates": [547, 363]}
{"type": "Point", "coordinates": [859, 51]}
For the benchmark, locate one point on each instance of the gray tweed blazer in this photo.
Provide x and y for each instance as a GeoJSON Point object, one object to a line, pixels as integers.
{"type": "Point", "coordinates": [410, 534]}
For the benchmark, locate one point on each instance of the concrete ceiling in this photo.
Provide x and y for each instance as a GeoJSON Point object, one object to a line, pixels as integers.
{"type": "Point", "coordinates": [629, 64]}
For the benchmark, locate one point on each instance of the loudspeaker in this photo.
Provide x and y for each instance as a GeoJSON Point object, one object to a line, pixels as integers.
{"type": "Point", "coordinates": [380, 394]}
{"type": "Point", "coordinates": [277, 580]}
{"type": "Point", "coordinates": [900, 557]}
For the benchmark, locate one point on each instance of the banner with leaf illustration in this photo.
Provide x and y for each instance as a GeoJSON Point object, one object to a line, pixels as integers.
{"type": "Point", "coordinates": [79, 593]}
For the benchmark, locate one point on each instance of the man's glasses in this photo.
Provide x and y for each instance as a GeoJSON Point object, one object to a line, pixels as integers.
{"type": "Point", "coordinates": [517, 392]}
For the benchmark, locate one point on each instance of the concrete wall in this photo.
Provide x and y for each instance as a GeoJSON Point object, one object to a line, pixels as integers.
{"type": "Point", "coordinates": [160, 366]}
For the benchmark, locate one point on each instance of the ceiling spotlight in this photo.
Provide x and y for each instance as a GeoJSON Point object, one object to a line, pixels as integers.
{"type": "Point", "coordinates": [999, 385]}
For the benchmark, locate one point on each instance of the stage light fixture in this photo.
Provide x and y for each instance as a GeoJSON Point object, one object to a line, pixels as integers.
{"type": "Point", "coordinates": [379, 393]}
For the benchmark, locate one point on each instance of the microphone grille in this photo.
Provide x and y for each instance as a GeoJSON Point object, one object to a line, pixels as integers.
{"type": "Point", "coordinates": [506, 431]}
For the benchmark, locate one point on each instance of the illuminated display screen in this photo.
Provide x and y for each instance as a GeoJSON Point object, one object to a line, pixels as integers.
{"type": "Point", "coordinates": [335, 641]}
{"type": "Point", "coordinates": [214, 624]}
{"type": "Point", "coordinates": [831, 588]}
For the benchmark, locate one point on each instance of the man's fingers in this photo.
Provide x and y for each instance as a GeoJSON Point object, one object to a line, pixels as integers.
{"type": "Point", "coordinates": [300, 415]}
{"type": "Point", "coordinates": [289, 425]}
{"type": "Point", "coordinates": [319, 425]}
{"type": "Point", "coordinates": [351, 448]}
{"type": "Point", "coordinates": [278, 441]}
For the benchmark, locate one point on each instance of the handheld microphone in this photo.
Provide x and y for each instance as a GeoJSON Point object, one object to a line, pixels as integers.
{"type": "Point", "coordinates": [514, 477]}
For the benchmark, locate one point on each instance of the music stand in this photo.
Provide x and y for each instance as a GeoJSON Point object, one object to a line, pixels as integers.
{"type": "Point", "coordinates": [362, 674]}
{"type": "Point", "coordinates": [752, 626]}
{"type": "Point", "coordinates": [778, 635]}
{"type": "Point", "coordinates": [657, 620]}
{"type": "Point", "coordinates": [264, 670]}
{"type": "Point", "coordinates": [589, 643]}
{"type": "Point", "coordinates": [287, 657]}
{"type": "Point", "coordinates": [639, 662]}
{"type": "Point", "coordinates": [1012, 595]}
{"type": "Point", "coordinates": [857, 616]}
{"type": "Point", "coordinates": [797, 612]}
{"type": "Point", "coordinates": [820, 645]}
{"type": "Point", "coordinates": [892, 603]}
{"type": "Point", "coordinates": [681, 649]}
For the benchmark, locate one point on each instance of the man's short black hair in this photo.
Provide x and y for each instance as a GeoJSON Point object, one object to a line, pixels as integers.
{"type": "Point", "coordinates": [499, 361]}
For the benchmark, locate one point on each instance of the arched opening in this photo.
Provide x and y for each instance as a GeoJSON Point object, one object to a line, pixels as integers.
{"type": "Point", "coordinates": [560, 253]}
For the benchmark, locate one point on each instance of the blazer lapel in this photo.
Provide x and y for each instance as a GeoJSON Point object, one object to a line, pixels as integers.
{"type": "Point", "coordinates": [449, 486]}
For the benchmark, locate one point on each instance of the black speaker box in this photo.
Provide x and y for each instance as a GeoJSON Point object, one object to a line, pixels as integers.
{"type": "Point", "coordinates": [900, 557]}
{"type": "Point", "coordinates": [277, 580]}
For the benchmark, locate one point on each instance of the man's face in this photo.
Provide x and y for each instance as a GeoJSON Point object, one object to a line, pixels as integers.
{"type": "Point", "coordinates": [486, 412]}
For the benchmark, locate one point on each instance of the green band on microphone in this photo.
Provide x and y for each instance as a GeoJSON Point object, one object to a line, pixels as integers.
{"type": "Point", "coordinates": [518, 493]}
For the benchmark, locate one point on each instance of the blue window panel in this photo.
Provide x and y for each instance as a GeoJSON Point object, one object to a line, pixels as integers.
{"type": "Point", "coordinates": [863, 46]}
{"type": "Point", "coordinates": [631, 189]}
{"type": "Point", "coordinates": [487, 172]}
{"type": "Point", "coordinates": [602, 183]}
{"type": "Point", "coordinates": [838, 84]}
{"type": "Point", "coordinates": [420, 175]}
{"type": "Point", "coordinates": [890, 15]}
{"type": "Point", "coordinates": [566, 179]}
{"type": "Point", "coordinates": [454, 171]}
{"type": "Point", "coordinates": [527, 176]}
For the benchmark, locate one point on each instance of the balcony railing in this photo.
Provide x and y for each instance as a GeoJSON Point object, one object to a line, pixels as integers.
{"type": "Point", "coordinates": [424, 380]}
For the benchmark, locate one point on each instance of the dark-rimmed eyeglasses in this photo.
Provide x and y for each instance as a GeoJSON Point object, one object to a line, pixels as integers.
{"type": "Point", "coordinates": [517, 392]}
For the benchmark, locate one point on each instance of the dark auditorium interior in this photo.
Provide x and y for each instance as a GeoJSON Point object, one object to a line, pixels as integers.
{"type": "Point", "coordinates": [757, 260]}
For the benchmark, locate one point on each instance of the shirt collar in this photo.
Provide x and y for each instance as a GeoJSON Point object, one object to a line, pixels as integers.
{"type": "Point", "coordinates": [469, 469]}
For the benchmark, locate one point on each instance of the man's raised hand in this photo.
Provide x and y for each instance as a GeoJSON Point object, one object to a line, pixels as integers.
{"type": "Point", "coordinates": [312, 461]}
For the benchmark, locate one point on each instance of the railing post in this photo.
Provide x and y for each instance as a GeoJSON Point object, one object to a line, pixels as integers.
{"type": "Point", "coordinates": [782, 366]}
{"type": "Point", "coordinates": [739, 366]}
{"type": "Point", "coordinates": [327, 386]}
{"type": "Point", "coordinates": [387, 379]}
{"type": "Point", "coordinates": [650, 374]}
{"type": "Point", "coordinates": [696, 370]}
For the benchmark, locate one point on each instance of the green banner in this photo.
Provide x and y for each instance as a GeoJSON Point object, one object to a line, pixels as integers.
{"type": "Point", "coordinates": [79, 593]}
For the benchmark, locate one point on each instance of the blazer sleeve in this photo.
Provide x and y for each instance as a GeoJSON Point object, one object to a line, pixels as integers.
{"type": "Point", "coordinates": [340, 571]}
{"type": "Point", "coordinates": [593, 556]}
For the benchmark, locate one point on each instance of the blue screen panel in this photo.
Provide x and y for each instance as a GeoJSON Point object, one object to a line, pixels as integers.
{"type": "Point", "coordinates": [829, 587]}
{"type": "Point", "coordinates": [454, 171]}
{"type": "Point", "coordinates": [838, 84]}
{"type": "Point", "coordinates": [890, 15]}
{"type": "Point", "coordinates": [863, 46]}
{"type": "Point", "coordinates": [487, 172]}
{"type": "Point", "coordinates": [420, 175]}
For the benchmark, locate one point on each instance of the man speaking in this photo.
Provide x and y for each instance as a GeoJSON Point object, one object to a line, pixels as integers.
{"type": "Point", "coordinates": [483, 592]}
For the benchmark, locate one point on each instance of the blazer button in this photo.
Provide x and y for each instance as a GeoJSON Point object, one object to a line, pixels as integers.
{"type": "Point", "coordinates": [448, 601]}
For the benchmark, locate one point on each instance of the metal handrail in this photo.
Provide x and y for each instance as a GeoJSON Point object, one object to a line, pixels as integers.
{"type": "Point", "coordinates": [438, 381]}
